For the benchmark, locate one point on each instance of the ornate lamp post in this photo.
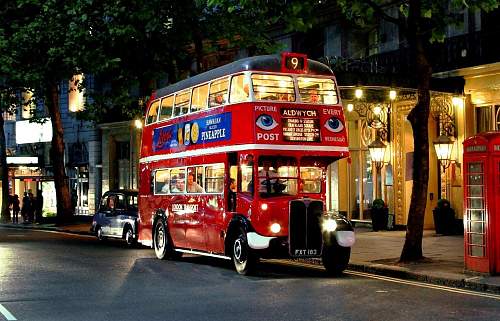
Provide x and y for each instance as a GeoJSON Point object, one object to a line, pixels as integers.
{"type": "Point", "coordinates": [444, 148]}
{"type": "Point", "coordinates": [377, 153]}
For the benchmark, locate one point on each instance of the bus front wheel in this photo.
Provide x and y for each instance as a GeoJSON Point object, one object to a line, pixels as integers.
{"type": "Point", "coordinates": [244, 258]}
{"type": "Point", "coordinates": [335, 258]}
{"type": "Point", "coordinates": [162, 243]}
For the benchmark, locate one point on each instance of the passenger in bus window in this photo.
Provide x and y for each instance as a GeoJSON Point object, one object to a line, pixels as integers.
{"type": "Point", "coordinates": [192, 186]}
{"type": "Point", "coordinates": [267, 177]}
{"type": "Point", "coordinates": [314, 97]}
{"type": "Point", "coordinates": [179, 185]}
{"type": "Point", "coordinates": [164, 188]}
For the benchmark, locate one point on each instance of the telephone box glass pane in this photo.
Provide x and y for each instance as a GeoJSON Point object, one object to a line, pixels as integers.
{"type": "Point", "coordinates": [476, 203]}
{"type": "Point", "coordinates": [475, 167]}
{"type": "Point", "coordinates": [475, 191]}
{"type": "Point", "coordinates": [475, 179]}
{"type": "Point", "coordinates": [476, 215]}
{"type": "Point", "coordinates": [476, 239]}
{"type": "Point", "coordinates": [476, 251]}
{"type": "Point", "coordinates": [476, 227]}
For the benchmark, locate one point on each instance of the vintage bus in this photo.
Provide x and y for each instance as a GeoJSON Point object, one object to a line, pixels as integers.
{"type": "Point", "coordinates": [234, 161]}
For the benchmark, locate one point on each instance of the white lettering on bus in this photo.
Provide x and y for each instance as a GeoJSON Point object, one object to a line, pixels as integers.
{"type": "Point", "coordinates": [213, 134]}
{"type": "Point", "coordinates": [188, 208]}
{"type": "Point", "coordinates": [299, 113]}
{"type": "Point", "coordinates": [267, 136]}
{"type": "Point", "coordinates": [334, 112]}
{"type": "Point", "coordinates": [214, 121]}
{"type": "Point", "coordinates": [340, 139]}
{"type": "Point", "coordinates": [265, 108]}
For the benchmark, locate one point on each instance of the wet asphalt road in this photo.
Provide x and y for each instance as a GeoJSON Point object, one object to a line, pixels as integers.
{"type": "Point", "coordinates": [54, 276]}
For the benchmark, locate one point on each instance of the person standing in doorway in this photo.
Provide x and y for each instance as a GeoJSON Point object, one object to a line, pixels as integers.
{"type": "Point", "coordinates": [15, 209]}
{"type": "Point", "coordinates": [31, 212]}
{"type": "Point", "coordinates": [26, 207]}
{"type": "Point", "coordinates": [39, 206]}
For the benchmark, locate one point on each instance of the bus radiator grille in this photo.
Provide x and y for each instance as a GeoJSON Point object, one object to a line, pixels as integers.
{"type": "Point", "coordinates": [305, 236]}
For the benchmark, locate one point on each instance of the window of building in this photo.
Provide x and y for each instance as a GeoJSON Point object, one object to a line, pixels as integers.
{"type": "Point", "coordinates": [214, 178]}
{"type": "Point", "coordinates": [199, 100]}
{"type": "Point", "coordinates": [153, 113]}
{"type": "Point", "coordinates": [167, 104]}
{"type": "Point", "coordinates": [240, 90]}
{"type": "Point", "coordinates": [218, 92]}
{"type": "Point", "coordinates": [273, 87]}
{"type": "Point", "coordinates": [28, 106]}
{"type": "Point", "coordinates": [317, 91]}
{"type": "Point", "coordinates": [487, 118]}
{"type": "Point", "coordinates": [76, 94]}
{"type": "Point", "coordinates": [181, 105]}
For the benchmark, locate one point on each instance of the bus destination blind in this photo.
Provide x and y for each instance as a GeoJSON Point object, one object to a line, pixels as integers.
{"type": "Point", "coordinates": [300, 125]}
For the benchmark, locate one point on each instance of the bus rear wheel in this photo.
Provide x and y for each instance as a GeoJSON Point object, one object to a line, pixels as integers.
{"type": "Point", "coordinates": [162, 243]}
{"type": "Point", "coordinates": [335, 258]}
{"type": "Point", "coordinates": [244, 258]}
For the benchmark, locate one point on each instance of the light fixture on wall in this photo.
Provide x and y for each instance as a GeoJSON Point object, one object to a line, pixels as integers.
{"type": "Point", "coordinates": [444, 148]}
{"type": "Point", "coordinates": [377, 152]}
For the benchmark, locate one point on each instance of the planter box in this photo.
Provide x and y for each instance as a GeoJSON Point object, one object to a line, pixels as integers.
{"type": "Point", "coordinates": [380, 217]}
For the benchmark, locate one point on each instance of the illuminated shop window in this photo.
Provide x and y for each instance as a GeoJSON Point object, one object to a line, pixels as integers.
{"type": "Point", "coordinates": [28, 106]}
{"type": "Point", "coordinates": [76, 99]}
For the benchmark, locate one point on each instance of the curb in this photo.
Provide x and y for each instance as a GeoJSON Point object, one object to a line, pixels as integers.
{"type": "Point", "coordinates": [402, 273]}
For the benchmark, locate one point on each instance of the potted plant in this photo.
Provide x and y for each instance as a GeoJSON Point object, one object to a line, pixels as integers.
{"type": "Point", "coordinates": [444, 217]}
{"type": "Point", "coordinates": [380, 214]}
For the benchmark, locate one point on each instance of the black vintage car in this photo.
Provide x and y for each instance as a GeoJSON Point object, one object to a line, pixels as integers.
{"type": "Point", "coordinates": [117, 216]}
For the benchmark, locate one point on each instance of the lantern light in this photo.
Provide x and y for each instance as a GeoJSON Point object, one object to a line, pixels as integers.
{"type": "Point", "coordinates": [358, 93]}
{"type": "Point", "coordinates": [350, 107]}
{"type": "Point", "coordinates": [444, 147]}
{"type": "Point", "coordinates": [392, 94]}
{"type": "Point", "coordinates": [377, 152]}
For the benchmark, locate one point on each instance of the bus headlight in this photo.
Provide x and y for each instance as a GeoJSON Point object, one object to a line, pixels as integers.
{"type": "Point", "coordinates": [263, 206]}
{"type": "Point", "coordinates": [329, 225]}
{"type": "Point", "coordinates": [275, 228]}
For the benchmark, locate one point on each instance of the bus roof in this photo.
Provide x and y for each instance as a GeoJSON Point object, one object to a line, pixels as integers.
{"type": "Point", "coordinates": [269, 63]}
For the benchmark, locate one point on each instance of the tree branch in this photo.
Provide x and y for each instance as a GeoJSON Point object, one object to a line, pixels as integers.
{"type": "Point", "coordinates": [381, 13]}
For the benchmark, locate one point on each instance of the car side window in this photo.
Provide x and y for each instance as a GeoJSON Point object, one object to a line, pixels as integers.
{"type": "Point", "coordinates": [104, 203]}
{"type": "Point", "coordinates": [121, 203]}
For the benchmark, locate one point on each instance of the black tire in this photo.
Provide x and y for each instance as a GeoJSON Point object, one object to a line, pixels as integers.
{"type": "Point", "coordinates": [335, 258]}
{"type": "Point", "coordinates": [99, 234]}
{"type": "Point", "coordinates": [162, 243]}
{"type": "Point", "coordinates": [244, 258]}
{"type": "Point", "coordinates": [128, 235]}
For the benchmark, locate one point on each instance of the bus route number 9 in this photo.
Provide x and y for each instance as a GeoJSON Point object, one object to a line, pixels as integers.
{"type": "Point", "coordinates": [294, 63]}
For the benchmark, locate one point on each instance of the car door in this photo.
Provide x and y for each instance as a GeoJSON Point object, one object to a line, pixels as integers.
{"type": "Point", "coordinates": [104, 215]}
{"type": "Point", "coordinates": [119, 215]}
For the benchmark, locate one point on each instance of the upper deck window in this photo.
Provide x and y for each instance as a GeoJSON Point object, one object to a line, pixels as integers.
{"type": "Point", "coordinates": [199, 100]}
{"type": "Point", "coordinates": [218, 92]}
{"type": "Point", "coordinates": [317, 90]}
{"type": "Point", "coordinates": [153, 112]}
{"type": "Point", "coordinates": [273, 87]}
{"type": "Point", "coordinates": [181, 105]}
{"type": "Point", "coordinates": [239, 89]}
{"type": "Point", "coordinates": [166, 107]}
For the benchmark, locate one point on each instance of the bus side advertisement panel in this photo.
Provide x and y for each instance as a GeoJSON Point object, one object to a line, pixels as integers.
{"type": "Point", "coordinates": [178, 137]}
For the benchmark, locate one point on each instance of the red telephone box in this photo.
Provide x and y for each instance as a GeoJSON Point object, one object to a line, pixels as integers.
{"type": "Point", "coordinates": [482, 203]}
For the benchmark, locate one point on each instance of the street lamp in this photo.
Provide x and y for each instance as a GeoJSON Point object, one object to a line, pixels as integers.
{"type": "Point", "coordinates": [377, 153]}
{"type": "Point", "coordinates": [444, 147]}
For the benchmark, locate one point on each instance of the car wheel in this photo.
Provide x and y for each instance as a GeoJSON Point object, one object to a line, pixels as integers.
{"type": "Point", "coordinates": [335, 258]}
{"type": "Point", "coordinates": [244, 258]}
{"type": "Point", "coordinates": [100, 234]}
{"type": "Point", "coordinates": [162, 242]}
{"type": "Point", "coordinates": [129, 236]}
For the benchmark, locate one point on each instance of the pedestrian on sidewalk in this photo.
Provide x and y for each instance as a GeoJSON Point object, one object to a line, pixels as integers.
{"type": "Point", "coordinates": [31, 211]}
{"type": "Point", "coordinates": [38, 207]}
{"type": "Point", "coordinates": [26, 208]}
{"type": "Point", "coordinates": [15, 208]}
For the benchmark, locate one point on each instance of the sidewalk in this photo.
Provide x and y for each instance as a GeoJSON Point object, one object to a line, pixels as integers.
{"type": "Point", "coordinates": [377, 253]}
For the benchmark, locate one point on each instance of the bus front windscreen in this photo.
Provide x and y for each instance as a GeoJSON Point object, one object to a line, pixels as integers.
{"type": "Point", "coordinates": [277, 176]}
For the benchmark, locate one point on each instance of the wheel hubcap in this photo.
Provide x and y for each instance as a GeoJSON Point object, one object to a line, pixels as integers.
{"type": "Point", "coordinates": [160, 239]}
{"type": "Point", "coordinates": [239, 251]}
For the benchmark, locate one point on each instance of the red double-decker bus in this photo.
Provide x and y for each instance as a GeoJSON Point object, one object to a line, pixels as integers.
{"type": "Point", "coordinates": [233, 164]}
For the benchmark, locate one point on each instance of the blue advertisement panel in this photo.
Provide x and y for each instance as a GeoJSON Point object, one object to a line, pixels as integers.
{"type": "Point", "coordinates": [199, 131]}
